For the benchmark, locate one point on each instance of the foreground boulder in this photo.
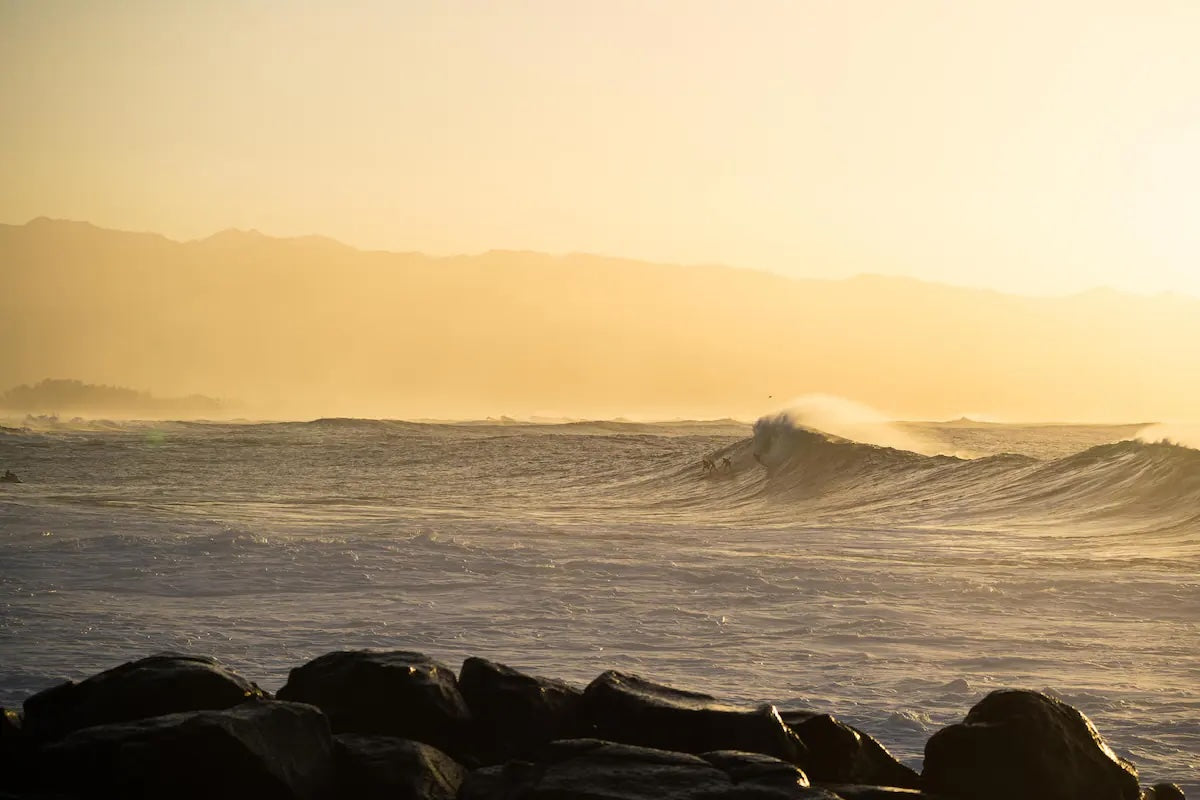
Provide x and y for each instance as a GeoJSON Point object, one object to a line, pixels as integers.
{"type": "Point", "coordinates": [265, 750]}
{"type": "Point", "coordinates": [625, 708]}
{"type": "Point", "coordinates": [160, 684]}
{"type": "Point", "coordinates": [840, 753]}
{"type": "Point", "coordinates": [589, 769]}
{"type": "Point", "coordinates": [387, 768]}
{"type": "Point", "coordinates": [396, 693]}
{"type": "Point", "coordinates": [1162, 791]}
{"type": "Point", "coordinates": [515, 713]}
{"type": "Point", "coordinates": [1021, 744]}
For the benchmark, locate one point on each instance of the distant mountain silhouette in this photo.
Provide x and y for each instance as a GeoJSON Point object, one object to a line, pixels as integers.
{"type": "Point", "coordinates": [72, 396]}
{"type": "Point", "coordinates": [310, 326]}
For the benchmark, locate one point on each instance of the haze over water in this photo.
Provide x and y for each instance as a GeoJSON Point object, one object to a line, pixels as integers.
{"type": "Point", "coordinates": [464, 294]}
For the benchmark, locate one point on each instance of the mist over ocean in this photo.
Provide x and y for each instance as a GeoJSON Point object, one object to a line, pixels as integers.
{"type": "Point", "coordinates": [892, 588]}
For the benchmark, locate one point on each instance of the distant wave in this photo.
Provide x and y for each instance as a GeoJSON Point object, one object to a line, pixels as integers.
{"type": "Point", "coordinates": [813, 475]}
{"type": "Point", "coordinates": [779, 471]}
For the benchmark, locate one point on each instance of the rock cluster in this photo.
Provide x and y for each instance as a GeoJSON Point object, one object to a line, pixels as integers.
{"type": "Point", "coordinates": [399, 725]}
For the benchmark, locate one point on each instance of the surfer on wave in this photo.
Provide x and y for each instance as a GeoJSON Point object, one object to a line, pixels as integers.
{"type": "Point", "coordinates": [709, 466]}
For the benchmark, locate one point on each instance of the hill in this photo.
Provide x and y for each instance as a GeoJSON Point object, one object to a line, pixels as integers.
{"type": "Point", "coordinates": [309, 326]}
{"type": "Point", "coordinates": [76, 397]}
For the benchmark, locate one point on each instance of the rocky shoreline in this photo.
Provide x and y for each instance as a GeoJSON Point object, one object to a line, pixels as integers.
{"type": "Point", "coordinates": [399, 725]}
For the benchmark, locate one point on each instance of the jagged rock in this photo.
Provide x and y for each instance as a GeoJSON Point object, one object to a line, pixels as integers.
{"type": "Point", "coordinates": [386, 768]}
{"type": "Point", "coordinates": [160, 684]}
{"type": "Point", "coordinates": [396, 693]}
{"type": "Point", "coordinates": [841, 753]}
{"type": "Point", "coordinates": [514, 712]}
{"type": "Point", "coordinates": [259, 750]}
{"type": "Point", "coordinates": [590, 769]}
{"type": "Point", "coordinates": [1021, 744]}
{"type": "Point", "coordinates": [627, 708]}
{"type": "Point", "coordinates": [1162, 791]}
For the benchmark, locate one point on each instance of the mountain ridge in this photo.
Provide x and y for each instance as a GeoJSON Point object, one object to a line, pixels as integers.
{"type": "Point", "coordinates": [301, 326]}
{"type": "Point", "coordinates": [246, 236]}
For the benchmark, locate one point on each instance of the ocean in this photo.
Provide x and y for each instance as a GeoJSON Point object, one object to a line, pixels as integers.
{"type": "Point", "coordinates": [890, 587]}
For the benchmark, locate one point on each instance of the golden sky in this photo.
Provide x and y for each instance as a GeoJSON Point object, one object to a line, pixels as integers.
{"type": "Point", "coordinates": [1036, 147]}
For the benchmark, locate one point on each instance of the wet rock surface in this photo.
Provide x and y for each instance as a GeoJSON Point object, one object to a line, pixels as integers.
{"type": "Point", "coordinates": [387, 768]}
{"type": "Point", "coordinates": [626, 708]}
{"type": "Point", "coordinates": [513, 712]}
{"type": "Point", "coordinates": [160, 684]}
{"type": "Point", "coordinates": [840, 753]}
{"type": "Point", "coordinates": [855, 792]}
{"type": "Point", "coordinates": [591, 769]}
{"type": "Point", "coordinates": [395, 693]}
{"type": "Point", "coordinates": [1028, 745]}
{"type": "Point", "coordinates": [399, 725]}
{"type": "Point", "coordinates": [261, 749]}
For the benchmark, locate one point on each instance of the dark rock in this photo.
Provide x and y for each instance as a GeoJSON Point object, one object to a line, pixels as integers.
{"type": "Point", "coordinates": [757, 769]}
{"type": "Point", "coordinates": [386, 768]}
{"type": "Point", "coordinates": [12, 726]}
{"type": "Point", "coordinates": [396, 693]}
{"type": "Point", "coordinates": [260, 750]}
{"type": "Point", "coordinates": [858, 792]}
{"type": "Point", "coordinates": [629, 709]}
{"type": "Point", "coordinates": [1021, 744]}
{"type": "Point", "coordinates": [596, 770]}
{"type": "Point", "coordinates": [840, 753]}
{"type": "Point", "coordinates": [1162, 791]}
{"type": "Point", "coordinates": [514, 712]}
{"type": "Point", "coordinates": [14, 749]}
{"type": "Point", "coordinates": [512, 781]}
{"type": "Point", "coordinates": [160, 684]}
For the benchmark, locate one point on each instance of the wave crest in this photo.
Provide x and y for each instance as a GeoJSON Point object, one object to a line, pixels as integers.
{"type": "Point", "coordinates": [1155, 483]}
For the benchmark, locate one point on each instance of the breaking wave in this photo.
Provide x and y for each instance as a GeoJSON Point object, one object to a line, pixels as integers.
{"type": "Point", "coordinates": [817, 476]}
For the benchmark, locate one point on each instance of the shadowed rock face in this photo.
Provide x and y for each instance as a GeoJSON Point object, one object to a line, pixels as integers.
{"type": "Point", "coordinates": [840, 753]}
{"type": "Point", "coordinates": [387, 768]}
{"type": "Point", "coordinates": [266, 750]}
{"type": "Point", "coordinates": [395, 693]}
{"type": "Point", "coordinates": [589, 769]}
{"type": "Point", "coordinates": [394, 709]}
{"type": "Point", "coordinates": [15, 748]}
{"type": "Point", "coordinates": [626, 708]}
{"type": "Point", "coordinates": [160, 684]}
{"type": "Point", "coordinates": [1020, 744]}
{"type": "Point", "coordinates": [514, 712]}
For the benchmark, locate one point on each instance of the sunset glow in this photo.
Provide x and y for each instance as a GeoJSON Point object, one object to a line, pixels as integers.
{"type": "Point", "coordinates": [1029, 147]}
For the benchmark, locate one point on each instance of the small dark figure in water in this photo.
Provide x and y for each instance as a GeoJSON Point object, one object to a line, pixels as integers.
{"type": "Point", "coordinates": [9, 477]}
{"type": "Point", "coordinates": [708, 465]}
{"type": "Point", "coordinates": [726, 464]}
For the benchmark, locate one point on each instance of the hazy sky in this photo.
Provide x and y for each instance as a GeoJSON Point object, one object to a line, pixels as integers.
{"type": "Point", "coordinates": [1039, 147]}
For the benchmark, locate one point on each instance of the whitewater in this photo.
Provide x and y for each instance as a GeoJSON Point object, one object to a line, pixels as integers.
{"type": "Point", "coordinates": [890, 587]}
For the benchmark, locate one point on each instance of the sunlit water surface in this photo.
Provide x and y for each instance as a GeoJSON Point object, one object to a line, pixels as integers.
{"type": "Point", "coordinates": [891, 589]}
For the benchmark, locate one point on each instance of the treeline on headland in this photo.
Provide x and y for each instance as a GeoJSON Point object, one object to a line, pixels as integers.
{"type": "Point", "coordinates": [399, 724]}
{"type": "Point", "coordinates": [56, 396]}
